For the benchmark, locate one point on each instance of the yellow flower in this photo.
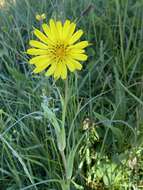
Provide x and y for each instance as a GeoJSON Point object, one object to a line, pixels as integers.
{"type": "Point", "coordinates": [57, 49]}
{"type": "Point", "coordinates": [40, 17]}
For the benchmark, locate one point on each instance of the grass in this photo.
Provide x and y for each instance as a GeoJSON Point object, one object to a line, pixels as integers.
{"type": "Point", "coordinates": [105, 99]}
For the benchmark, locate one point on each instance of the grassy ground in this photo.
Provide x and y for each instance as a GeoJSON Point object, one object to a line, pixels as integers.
{"type": "Point", "coordinates": [105, 107]}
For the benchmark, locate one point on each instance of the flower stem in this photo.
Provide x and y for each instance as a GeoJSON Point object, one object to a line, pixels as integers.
{"type": "Point", "coordinates": [65, 103]}
{"type": "Point", "coordinates": [64, 161]}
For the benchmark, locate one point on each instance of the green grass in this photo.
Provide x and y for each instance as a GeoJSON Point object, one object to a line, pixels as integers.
{"type": "Point", "coordinates": [108, 91]}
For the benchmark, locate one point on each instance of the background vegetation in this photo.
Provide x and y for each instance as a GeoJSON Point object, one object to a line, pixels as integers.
{"type": "Point", "coordinates": [105, 108]}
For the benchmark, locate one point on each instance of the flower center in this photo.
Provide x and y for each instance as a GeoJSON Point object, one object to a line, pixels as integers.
{"type": "Point", "coordinates": [60, 52]}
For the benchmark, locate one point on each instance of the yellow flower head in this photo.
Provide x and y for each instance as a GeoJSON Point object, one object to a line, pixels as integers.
{"type": "Point", "coordinates": [40, 17]}
{"type": "Point", "coordinates": [57, 49]}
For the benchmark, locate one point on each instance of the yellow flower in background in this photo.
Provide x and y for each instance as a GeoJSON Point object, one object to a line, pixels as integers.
{"type": "Point", "coordinates": [57, 49]}
{"type": "Point", "coordinates": [40, 17]}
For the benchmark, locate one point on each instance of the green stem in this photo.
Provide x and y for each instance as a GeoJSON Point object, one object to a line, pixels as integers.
{"type": "Point", "coordinates": [64, 162]}
{"type": "Point", "coordinates": [65, 103]}
{"type": "Point", "coordinates": [66, 182]}
{"type": "Point", "coordinates": [66, 185]}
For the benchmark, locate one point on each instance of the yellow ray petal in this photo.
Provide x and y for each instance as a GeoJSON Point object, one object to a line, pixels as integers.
{"type": "Point", "coordinates": [66, 28]}
{"type": "Point", "coordinates": [41, 58]}
{"type": "Point", "coordinates": [76, 51]}
{"type": "Point", "coordinates": [69, 63]}
{"type": "Point", "coordinates": [76, 36]}
{"type": "Point", "coordinates": [71, 30]}
{"type": "Point", "coordinates": [58, 70]}
{"type": "Point", "coordinates": [80, 57]}
{"type": "Point", "coordinates": [39, 68]}
{"type": "Point", "coordinates": [77, 65]}
{"type": "Point", "coordinates": [64, 71]}
{"type": "Point", "coordinates": [41, 36]}
{"type": "Point", "coordinates": [40, 64]}
{"type": "Point", "coordinates": [33, 51]}
{"type": "Point", "coordinates": [59, 29]}
{"type": "Point", "coordinates": [47, 31]}
{"type": "Point", "coordinates": [80, 45]}
{"type": "Point", "coordinates": [53, 29]}
{"type": "Point", "coordinates": [51, 70]}
{"type": "Point", "coordinates": [37, 44]}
